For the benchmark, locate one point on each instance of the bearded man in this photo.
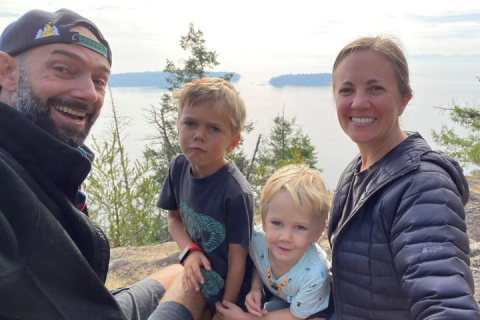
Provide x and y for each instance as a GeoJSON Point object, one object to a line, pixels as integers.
{"type": "Point", "coordinates": [54, 69]}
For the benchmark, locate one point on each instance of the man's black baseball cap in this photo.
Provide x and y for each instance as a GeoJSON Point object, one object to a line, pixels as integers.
{"type": "Point", "coordinates": [37, 28]}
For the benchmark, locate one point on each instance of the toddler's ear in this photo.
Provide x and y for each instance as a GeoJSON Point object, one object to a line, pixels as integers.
{"type": "Point", "coordinates": [320, 230]}
{"type": "Point", "coordinates": [234, 142]}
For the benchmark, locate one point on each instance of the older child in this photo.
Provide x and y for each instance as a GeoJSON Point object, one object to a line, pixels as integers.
{"type": "Point", "coordinates": [209, 202]}
{"type": "Point", "coordinates": [287, 258]}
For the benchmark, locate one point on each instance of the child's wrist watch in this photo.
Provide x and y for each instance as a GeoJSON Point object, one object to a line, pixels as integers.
{"type": "Point", "coordinates": [191, 247]}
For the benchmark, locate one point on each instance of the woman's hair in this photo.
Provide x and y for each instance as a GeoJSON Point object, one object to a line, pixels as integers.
{"type": "Point", "coordinates": [219, 94]}
{"type": "Point", "coordinates": [391, 48]}
{"type": "Point", "coordinates": [304, 184]}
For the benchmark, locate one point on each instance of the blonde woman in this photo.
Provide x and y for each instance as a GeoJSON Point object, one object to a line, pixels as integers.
{"type": "Point", "coordinates": [397, 226]}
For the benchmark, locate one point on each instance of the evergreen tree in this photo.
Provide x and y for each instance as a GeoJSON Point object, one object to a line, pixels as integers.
{"type": "Point", "coordinates": [464, 149]}
{"type": "Point", "coordinates": [122, 195]}
{"type": "Point", "coordinates": [164, 142]}
{"type": "Point", "coordinates": [194, 67]}
{"type": "Point", "coordinates": [286, 144]}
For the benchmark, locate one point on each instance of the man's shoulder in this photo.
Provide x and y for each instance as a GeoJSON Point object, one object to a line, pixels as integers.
{"type": "Point", "coordinates": [9, 163]}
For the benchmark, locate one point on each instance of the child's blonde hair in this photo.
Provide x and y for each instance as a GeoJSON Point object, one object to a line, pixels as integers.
{"type": "Point", "coordinates": [304, 184]}
{"type": "Point", "coordinates": [219, 93]}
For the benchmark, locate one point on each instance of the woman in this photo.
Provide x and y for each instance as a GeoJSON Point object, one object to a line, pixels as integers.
{"type": "Point", "coordinates": [397, 228]}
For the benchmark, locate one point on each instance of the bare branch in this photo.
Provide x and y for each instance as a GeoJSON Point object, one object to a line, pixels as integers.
{"type": "Point", "coordinates": [253, 158]}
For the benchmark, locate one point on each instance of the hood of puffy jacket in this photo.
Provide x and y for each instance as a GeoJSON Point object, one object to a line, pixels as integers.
{"type": "Point", "coordinates": [452, 167]}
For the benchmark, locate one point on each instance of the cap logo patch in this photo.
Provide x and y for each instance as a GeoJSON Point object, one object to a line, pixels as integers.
{"type": "Point", "coordinates": [47, 31]}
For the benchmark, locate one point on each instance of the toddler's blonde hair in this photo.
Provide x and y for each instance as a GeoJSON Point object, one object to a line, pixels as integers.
{"type": "Point", "coordinates": [304, 184]}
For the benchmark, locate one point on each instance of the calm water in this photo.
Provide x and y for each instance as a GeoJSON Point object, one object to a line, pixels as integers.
{"type": "Point", "coordinates": [434, 84]}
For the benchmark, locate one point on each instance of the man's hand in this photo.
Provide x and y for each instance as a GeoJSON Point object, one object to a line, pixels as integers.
{"type": "Point", "coordinates": [191, 270]}
{"type": "Point", "coordinates": [253, 302]}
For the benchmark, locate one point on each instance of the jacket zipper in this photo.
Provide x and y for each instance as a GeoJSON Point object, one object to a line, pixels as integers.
{"type": "Point", "coordinates": [355, 210]}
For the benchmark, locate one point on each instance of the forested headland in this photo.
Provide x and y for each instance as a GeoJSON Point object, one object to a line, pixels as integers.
{"type": "Point", "coordinates": [153, 79]}
{"type": "Point", "coordinates": [308, 80]}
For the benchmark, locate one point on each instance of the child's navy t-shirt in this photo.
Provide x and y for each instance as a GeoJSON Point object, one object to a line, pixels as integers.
{"type": "Point", "coordinates": [216, 210]}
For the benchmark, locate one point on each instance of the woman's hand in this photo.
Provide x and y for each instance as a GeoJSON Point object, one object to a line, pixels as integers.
{"type": "Point", "coordinates": [191, 270]}
{"type": "Point", "coordinates": [253, 302]}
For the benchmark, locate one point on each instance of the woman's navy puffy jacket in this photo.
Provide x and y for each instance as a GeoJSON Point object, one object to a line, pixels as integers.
{"type": "Point", "coordinates": [403, 252]}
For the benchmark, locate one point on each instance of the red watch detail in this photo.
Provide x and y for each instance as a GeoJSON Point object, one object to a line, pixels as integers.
{"type": "Point", "coordinates": [191, 247]}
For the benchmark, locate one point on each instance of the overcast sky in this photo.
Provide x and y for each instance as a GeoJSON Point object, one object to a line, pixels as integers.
{"type": "Point", "coordinates": [245, 34]}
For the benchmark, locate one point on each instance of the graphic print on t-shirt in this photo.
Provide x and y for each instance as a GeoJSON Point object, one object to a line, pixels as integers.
{"type": "Point", "coordinates": [197, 224]}
{"type": "Point", "coordinates": [213, 283]}
{"type": "Point", "coordinates": [209, 234]}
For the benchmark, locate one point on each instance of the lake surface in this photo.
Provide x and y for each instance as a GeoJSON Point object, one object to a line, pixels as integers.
{"type": "Point", "coordinates": [434, 84]}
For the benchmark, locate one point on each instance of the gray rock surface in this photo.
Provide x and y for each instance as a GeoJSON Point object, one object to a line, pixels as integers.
{"type": "Point", "coordinates": [476, 279]}
{"type": "Point", "coordinates": [472, 211]}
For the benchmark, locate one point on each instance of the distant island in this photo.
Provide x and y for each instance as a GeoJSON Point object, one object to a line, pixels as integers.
{"type": "Point", "coordinates": [308, 80]}
{"type": "Point", "coordinates": [152, 79]}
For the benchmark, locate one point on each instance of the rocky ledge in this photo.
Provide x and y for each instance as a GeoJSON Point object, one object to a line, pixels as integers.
{"type": "Point", "coordinates": [472, 211]}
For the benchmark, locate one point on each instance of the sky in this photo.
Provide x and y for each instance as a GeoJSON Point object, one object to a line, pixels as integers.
{"type": "Point", "coordinates": [289, 36]}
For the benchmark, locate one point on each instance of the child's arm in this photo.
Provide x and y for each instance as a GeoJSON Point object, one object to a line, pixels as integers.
{"type": "Point", "coordinates": [177, 229]}
{"type": "Point", "coordinates": [253, 299]}
{"type": "Point", "coordinates": [195, 259]}
{"type": "Point", "coordinates": [236, 270]}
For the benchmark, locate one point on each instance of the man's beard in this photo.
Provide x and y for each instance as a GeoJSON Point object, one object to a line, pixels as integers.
{"type": "Point", "coordinates": [38, 111]}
